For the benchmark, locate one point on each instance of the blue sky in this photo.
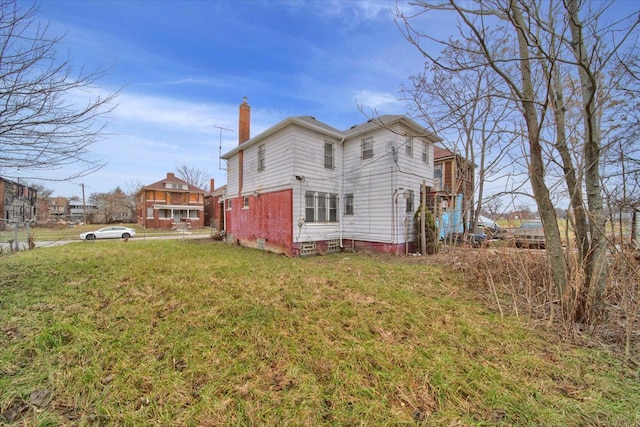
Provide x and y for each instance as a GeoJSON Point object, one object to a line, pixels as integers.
{"type": "Point", "coordinates": [185, 66]}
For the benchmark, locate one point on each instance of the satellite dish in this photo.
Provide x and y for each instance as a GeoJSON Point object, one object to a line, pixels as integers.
{"type": "Point", "coordinates": [391, 147]}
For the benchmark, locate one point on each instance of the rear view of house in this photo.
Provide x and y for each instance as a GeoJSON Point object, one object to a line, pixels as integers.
{"type": "Point", "coordinates": [303, 187]}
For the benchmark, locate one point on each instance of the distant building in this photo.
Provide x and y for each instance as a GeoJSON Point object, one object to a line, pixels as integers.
{"type": "Point", "coordinates": [214, 211]}
{"type": "Point", "coordinates": [169, 202]}
{"type": "Point", "coordinates": [79, 212]}
{"type": "Point", "coordinates": [58, 208]}
{"type": "Point", "coordinates": [18, 202]}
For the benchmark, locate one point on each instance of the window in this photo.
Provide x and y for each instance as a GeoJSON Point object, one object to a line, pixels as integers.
{"type": "Point", "coordinates": [322, 207]}
{"type": "Point", "coordinates": [149, 212]}
{"type": "Point", "coordinates": [328, 156]}
{"type": "Point", "coordinates": [437, 177]}
{"type": "Point", "coordinates": [425, 152]}
{"type": "Point", "coordinates": [310, 206]}
{"type": "Point", "coordinates": [245, 203]}
{"type": "Point", "coordinates": [367, 148]}
{"type": "Point", "coordinates": [229, 204]}
{"type": "Point", "coordinates": [409, 195]}
{"type": "Point", "coordinates": [333, 208]}
{"type": "Point", "coordinates": [408, 146]}
{"type": "Point", "coordinates": [261, 164]}
{"type": "Point", "coordinates": [348, 204]}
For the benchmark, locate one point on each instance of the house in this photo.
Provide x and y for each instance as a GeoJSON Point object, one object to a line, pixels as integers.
{"type": "Point", "coordinates": [58, 208]}
{"type": "Point", "coordinates": [18, 203]}
{"type": "Point", "coordinates": [452, 193]}
{"type": "Point", "coordinates": [214, 206]}
{"type": "Point", "coordinates": [303, 187]}
{"type": "Point", "coordinates": [82, 212]}
{"type": "Point", "coordinates": [170, 203]}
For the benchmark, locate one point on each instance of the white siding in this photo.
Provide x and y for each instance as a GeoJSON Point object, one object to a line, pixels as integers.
{"type": "Point", "coordinates": [379, 185]}
{"type": "Point", "coordinates": [295, 159]}
{"type": "Point", "coordinates": [308, 152]}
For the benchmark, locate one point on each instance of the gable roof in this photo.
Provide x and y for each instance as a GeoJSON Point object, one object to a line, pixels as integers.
{"type": "Point", "coordinates": [440, 153]}
{"type": "Point", "coordinates": [311, 123]}
{"type": "Point", "coordinates": [171, 178]}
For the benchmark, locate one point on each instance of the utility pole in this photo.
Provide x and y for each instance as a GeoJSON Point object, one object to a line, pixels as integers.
{"type": "Point", "coordinates": [84, 206]}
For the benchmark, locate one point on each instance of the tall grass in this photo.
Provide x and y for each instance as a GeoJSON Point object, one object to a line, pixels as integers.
{"type": "Point", "coordinates": [185, 333]}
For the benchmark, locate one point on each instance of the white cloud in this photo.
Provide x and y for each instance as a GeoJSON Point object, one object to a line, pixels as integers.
{"type": "Point", "coordinates": [379, 101]}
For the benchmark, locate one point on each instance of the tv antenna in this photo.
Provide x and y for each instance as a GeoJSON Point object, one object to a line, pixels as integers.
{"type": "Point", "coordinates": [220, 146]}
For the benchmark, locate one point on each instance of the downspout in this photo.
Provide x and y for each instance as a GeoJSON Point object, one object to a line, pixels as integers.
{"type": "Point", "coordinates": [341, 192]}
{"type": "Point", "coordinates": [224, 213]}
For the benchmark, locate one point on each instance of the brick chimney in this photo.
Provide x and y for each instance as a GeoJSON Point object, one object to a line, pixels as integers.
{"type": "Point", "coordinates": [170, 175]}
{"type": "Point", "coordinates": [244, 125]}
{"type": "Point", "coordinates": [212, 185]}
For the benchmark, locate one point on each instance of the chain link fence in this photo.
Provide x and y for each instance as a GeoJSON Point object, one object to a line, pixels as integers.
{"type": "Point", "coordinates": [15, 236]}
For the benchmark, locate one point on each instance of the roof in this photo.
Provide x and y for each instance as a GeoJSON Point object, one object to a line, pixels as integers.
{"type": "Point", "coordinates": [160, 185]}
{"type": "Point", "coordinates": [217, 192]}
{"type": "Point", "coordinates": [311, 123]}
{"type": "Point", "coordinates": [441, 153]}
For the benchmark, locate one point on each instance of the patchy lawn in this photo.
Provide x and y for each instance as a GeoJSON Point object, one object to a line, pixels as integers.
{"type": "Point", "coordinates": [202, 333]}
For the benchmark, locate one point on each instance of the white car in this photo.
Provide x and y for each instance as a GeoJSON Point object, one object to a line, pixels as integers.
{"type": "Point", "coordinates": [114, 232]}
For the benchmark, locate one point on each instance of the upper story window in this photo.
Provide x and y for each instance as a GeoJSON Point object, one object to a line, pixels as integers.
{"type": "Point", "coordinates": [437, 177]}
{"type": "Point", "coordinates": [367, 148]}
{"type": "Point", "coordinates": [261, 163]}
{"type": "Point", "coordinates": [408, 146]}
{"type": "Point", "coordinates": [329, 156]}
{"type": "Point", "coordinates": [425, 152]}
{"type": "Point", "coordinates": [176, 186]}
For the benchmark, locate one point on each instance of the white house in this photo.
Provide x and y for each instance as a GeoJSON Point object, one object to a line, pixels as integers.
{"type": "Point", "coordinates": [304, 187]}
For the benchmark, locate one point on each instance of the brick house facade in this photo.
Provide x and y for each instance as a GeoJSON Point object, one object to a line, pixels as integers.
{"type": "Point", "coordinates": [169, 202]}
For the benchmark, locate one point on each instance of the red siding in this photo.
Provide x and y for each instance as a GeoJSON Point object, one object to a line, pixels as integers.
{"type": "Point", "coordinates": [269, 217]}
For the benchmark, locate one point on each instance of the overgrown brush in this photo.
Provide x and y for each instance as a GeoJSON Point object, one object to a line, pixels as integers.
{"type": "Point", "coordinates": [518, 282]}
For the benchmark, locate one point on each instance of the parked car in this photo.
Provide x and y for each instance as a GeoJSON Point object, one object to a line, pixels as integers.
{"type": "Point", "coordinates": [113, 232]}
{"type": "Point", "coordinates": [530, 234]}
{"type": "Point", "coordinates": [476, 240]}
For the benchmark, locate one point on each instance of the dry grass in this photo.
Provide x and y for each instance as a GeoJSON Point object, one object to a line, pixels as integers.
{"type": "Point", "coordinates": [518, 283]}
{"type": "Point", "coordinates": [185, 333]}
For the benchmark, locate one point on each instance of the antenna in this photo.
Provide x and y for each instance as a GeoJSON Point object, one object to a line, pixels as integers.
{"type": "Point", "coordinates": [220, 146]}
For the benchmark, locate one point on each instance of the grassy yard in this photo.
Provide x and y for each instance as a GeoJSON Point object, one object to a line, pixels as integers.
{"type": "Point", "coordinates": [173, 333]}
{"type": "Point", "coordinates": [56, 232]}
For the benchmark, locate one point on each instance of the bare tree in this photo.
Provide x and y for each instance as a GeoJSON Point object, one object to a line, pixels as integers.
{"type": "Point", "coordinates": [493, 206]}
{"type": "Point", "coordinates": [458, 105]}
{"type": "Point", "coordinates": [539, 50]}
{"type": "Point", "coordinates": [196, 177]}
{"type": "Point", "coordinates": [41, 127]}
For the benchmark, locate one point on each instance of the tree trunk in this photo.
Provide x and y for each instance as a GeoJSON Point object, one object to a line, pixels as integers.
{"type": "Point", "coordinates": [597, 266]}
{"type": "Point", "coordinates": [536, 169]}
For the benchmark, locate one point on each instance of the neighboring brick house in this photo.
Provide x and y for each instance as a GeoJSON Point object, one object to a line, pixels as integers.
{"type": "Point", "coordinates": [453, 188]}
{"type": "Point", "coordinates": [18, 203]}
{"type": "Point", "coordinates": [303, 187]}
{"type": "Point", "coordinates": [214, 212]}
{"type": "Point", "coordinates": [168, 202]}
